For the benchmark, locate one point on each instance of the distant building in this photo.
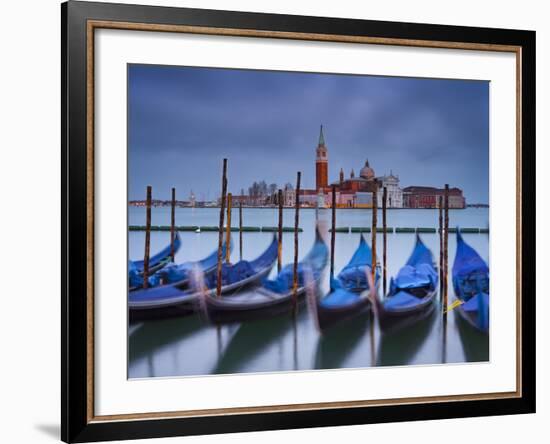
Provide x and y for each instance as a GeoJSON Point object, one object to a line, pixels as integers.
{"type": "Point", "coordinates": [321, 163]}
{"type": "Point", "coordinates": [428, 197]}
{"type": "Point", "coordinates": [351, 192]}
{"type": "Point", "coordinates": [395, 194]}
{"type": "Point", "coordinates": [308, 198]}
{"type": "Point", "coordinates": [289, 196]}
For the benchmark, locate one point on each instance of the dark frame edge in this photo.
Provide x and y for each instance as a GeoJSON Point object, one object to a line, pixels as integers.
{"type": "Point", "coordinates": [64, 147]}
{"type": "Point", "coordinates": [74, 215]}
{"type": "Point", "coordinates": [528, 213]}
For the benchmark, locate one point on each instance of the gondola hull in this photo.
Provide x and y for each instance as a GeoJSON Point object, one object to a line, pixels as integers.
{"type": "Point", "coordinates": [393, 320]}
{"type": "Point", "coordinates": [266, 305]}
{"type": "Point", "coordinates": [274, 297]}
{"type": "Point", "coordinates": [471, 318]}
{"type": "Point", "coordinates": [471, 286]}
{"type": "Point", "coordinates": [329, 317]}
{"type": "Point", "coordinates": [189, 302]}
{"type": "Point", "coordinates": [345, 301]}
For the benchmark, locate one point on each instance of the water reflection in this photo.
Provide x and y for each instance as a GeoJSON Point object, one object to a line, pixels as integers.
{"type": "Point", "coordinates": [475, 343]}
{"type": "Point", "coordinates": [400, 346]}
{"type": "Point", "coordinates": [187, 346]}
{"type": "Point", "coordinates": [336, 345]}
{"type": "Point", "coordinates": [254, 338]}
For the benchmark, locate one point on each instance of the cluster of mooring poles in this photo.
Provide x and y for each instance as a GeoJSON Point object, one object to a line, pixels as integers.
{"type": "Point", "coordinates": [147, 254]}
{"type": "Point", "coordinates": [225, 212]}
{"type": "Point", "coordinates": [228, 197]}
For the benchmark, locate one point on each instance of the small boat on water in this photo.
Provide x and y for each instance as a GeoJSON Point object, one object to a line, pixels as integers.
{"type": "Point", "coordinates": [346, 298]}
{"type": "Point", "coordinates": [156, 262]}
{"type": "Point", "coordinates": [274, 297]}
{"type": "Point", "coordinates": [178, 299]}
{"type": "Point", "coordinates": [471, 285]}
{"type": "Point", "coordinates": [412, 292]}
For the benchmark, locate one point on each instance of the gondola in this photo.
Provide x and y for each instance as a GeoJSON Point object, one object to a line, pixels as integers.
{"type": "Point", "coordinates": [179, 274]}
{"type": "Point", "coordinates": [412, 292]}
{"type": "Point", "coordinates": [274, 297]}
{"type": "Point", "coordinates": [156, 262]}
{"type": "Point", "coordinates": [471, 285]}
{"type": "Point", "coordinates": [345, 299]}
{"type": "Point", "coordinates": [179, 299]}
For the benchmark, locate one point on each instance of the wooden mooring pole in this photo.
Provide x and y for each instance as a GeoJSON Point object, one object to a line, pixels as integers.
{"type": "Point", "coordinates": [384, 239]}
{"type": "Point", "coordinates": [373, 232]}
{"type": "Point", "coordinates": [332, 234]}
{"type": "Point", "coordinates": [147, 237]}
{"type": "Point", "coordinates": [280, 232]}
{"type": "Point", "coordinates": [445, 302]}
{"type": "Point", "coordinates": [220, 236]}
{"type": "Point", "coordinates": [240, 230]}
{"type": "Point", "coordinates": [446, 251]}
{"type": "Point", "coordinates": [173, 226]}
{"type": "Point", "coordinates": [296, 226]}
{"type": "Point", "coordinates": [228, 229]}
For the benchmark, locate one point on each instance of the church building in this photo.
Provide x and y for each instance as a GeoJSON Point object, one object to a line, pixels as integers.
{"type": "Point", "coordinates": [351, 192]}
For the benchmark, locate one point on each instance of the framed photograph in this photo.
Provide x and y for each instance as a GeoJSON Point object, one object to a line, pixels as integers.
{"type": "Point", "coordinates": [275, 221]}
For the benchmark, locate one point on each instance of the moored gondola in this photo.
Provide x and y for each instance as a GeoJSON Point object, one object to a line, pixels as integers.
{"type": "Point", "coordinates": [178, 299]}
{"type": "Point", "coordinates": [161, 258]}
{"type": "Point", "coordinates": [156, 263]}
{"type": "Point", "coordinates": [471, 285]}
{"type": "Point", "coordinates": [178, 274]}
{"type": "Point", "coordinates": [412, 292]}
{"type": "Point", "coordinates": [273, 297]}
{"type": "Point", "coordinates": [346, 298]}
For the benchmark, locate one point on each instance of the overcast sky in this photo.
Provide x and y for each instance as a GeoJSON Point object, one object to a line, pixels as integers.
{"type": "Point", "coordinates": [184, 121]}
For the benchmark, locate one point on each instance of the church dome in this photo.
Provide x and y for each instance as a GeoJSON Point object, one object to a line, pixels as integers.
{"type": "Point", "coordinates": [367, 172]}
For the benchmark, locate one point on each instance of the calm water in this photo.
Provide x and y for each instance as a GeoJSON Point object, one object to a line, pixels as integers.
{"type": "Point", "coordinates": [187, 346]}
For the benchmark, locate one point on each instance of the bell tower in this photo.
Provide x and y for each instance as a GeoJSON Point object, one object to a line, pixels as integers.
{"type": "Point", "coordinates": [321, 163]}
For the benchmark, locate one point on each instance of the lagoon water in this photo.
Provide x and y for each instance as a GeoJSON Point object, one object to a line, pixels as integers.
{"type": "Point", "coordinates": [187, 346]}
